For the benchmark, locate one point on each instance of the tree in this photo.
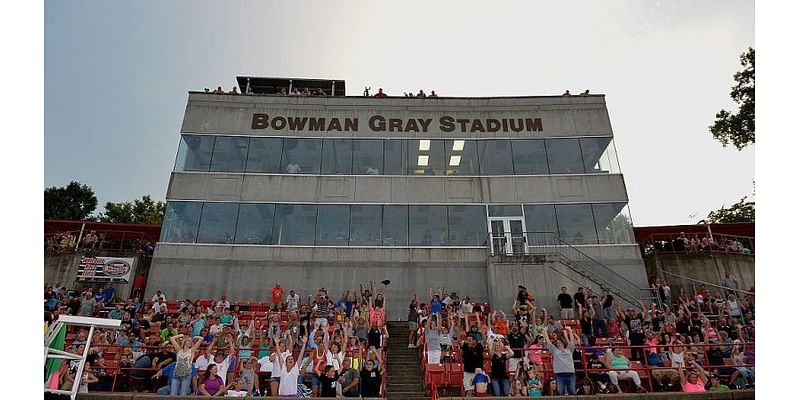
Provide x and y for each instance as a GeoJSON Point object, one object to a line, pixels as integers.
{"type": "Point", "coordinates": [739, 129]}
{"type": "Point", "coordinates": [743, 211]}
{"type": "Point", "coordinates": [72, 202]}
{"type": "Point", "coordinates": [141, 211]}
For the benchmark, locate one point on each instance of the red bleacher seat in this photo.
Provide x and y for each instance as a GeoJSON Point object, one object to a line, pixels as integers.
{"type": "Point", "coordinates": [455, 375]}
{"type": "Point", "coordinates": [434, 375]}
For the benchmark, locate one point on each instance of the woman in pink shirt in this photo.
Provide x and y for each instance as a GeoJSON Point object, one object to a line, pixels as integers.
{"type": "Point", "coordinates": [695, 380]}
{"type": "Point", "coordinates": [535, 352]}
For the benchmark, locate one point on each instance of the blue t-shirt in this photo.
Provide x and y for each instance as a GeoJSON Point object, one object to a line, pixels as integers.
{"type": "Point", "coordinates": [436, 307]}
{"type": "Point", "coordinates": [480, 378]}
{"type": "Point", "coordinates": [198, 326]}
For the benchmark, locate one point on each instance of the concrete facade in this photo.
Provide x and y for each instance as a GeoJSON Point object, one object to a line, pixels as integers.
{"type": "Point", "coordinates": [247, 272]}
{"type": "Point", "coordinates": [702, 267]}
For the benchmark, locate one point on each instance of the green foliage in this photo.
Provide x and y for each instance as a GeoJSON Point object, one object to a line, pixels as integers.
{"type": "Point", "coordinates": [739, 128]}
{"type": "Point", "coordinates": [140, 211]}
{"type": "Point", "coordinates": [743, 211]}
{"type": "Point", "coordinates": [72, 202]}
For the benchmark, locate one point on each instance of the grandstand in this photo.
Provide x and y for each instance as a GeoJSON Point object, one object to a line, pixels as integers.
{"type": "Point", "coordinates": [485, 220]}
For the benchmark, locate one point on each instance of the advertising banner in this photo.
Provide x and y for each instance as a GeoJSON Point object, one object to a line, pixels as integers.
{"type": "Point", "coordinates": [105, 269]}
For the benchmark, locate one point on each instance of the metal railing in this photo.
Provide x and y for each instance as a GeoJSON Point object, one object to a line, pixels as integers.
{"type": "Point", "coordinates": [668, 243]}
{"type": "Point", "coordinates": [517, 244]}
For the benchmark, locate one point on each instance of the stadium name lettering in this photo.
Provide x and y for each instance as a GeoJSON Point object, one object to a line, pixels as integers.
{"type": "Point", "coordinates": [378, 123]}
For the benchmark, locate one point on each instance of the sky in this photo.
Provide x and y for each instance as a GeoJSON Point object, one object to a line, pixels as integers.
{"type": "Point", "coordinates": [117, 76]}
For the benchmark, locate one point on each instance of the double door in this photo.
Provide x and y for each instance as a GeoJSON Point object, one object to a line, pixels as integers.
{"type": "Point", "coordinates": [508, 235]}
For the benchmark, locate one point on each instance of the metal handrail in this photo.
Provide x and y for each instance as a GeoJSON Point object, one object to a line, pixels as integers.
{"type": "Point", "coordinates": [584, 264]}
{"type": "Point", "coordinates": [706, 283]}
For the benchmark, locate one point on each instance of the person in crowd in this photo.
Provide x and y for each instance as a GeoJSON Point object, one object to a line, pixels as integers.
{"type": "Point", "coordinates": [371, 379]}
{"type": "Point", "coordinates": [480, 382]}
{"type": "Point", "coordinates": [693, 381]}
{"type": "Point", "coordinates": [472, 355]}
{"type": "Point", "coordinates": [349, 379]}
{"type": "Point", "coordinates": [181, 378]}
{"type": "Point", "coordinates": [586, 388]}
{"type": "Point", "coordinates": [380, 93]}
{"type": "Point", "coordinates": [290, 372]}
{"type": "Point", "coordinates": [413, 321]}
{"type": "Point", "coordinates": [565, 301]}
{"type": "Point", "coordinates": [499, 355]}
{"type": "Point", "coordinates": [716, 386]}
{"type": "Point", "coordinates": [551, 388]}
{"type": "Point", "coordinates": [212, 383]}
{"type": "Point", "coordinates": [563, 367]}
{"type": "Point", "coordinates": [730, 282]}
{"type": "Point", "coordinates": [619, 366]}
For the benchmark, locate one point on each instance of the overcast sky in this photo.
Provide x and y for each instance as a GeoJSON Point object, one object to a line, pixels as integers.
{"type": "Point", "coordinates": [117, 76]}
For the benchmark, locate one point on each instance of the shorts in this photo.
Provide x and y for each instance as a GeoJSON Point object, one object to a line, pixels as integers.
{"type": "Point", "coordinates": [513, 363]}
{"type": "Point", "coordinates": [315, 382]}
{"type": "Point", "coordinates": [412, 326]}
{"type": "Point", "coordinates": [275, 379]}
{"type": "Point", "coordinates": [468, 377]}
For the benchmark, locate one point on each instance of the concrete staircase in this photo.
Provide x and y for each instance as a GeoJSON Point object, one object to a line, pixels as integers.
{"type": "Point", "coordinates": [404, 372]}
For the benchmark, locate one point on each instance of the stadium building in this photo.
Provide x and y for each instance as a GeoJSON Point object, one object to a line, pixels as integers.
{"type": "Point", "coordinates": [474, 194]}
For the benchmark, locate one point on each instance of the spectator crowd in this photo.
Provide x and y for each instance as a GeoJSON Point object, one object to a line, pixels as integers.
{"type": "Point", "coordinates": [288, 346]}
{"type": "Point", "coordinates": [591, 343]}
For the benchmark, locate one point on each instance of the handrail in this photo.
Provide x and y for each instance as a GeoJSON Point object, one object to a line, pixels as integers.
{"type": "Point", "coordinates": [523, 243]}
{"type": "Point", "coordinates": [706, 283]}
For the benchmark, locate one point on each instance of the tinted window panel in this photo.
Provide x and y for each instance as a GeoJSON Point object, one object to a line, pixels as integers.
{"type": "Point", "coordinates": [194, 153]}
{"type": "Point", "coordinates": [255, 224]}
{"type": "Point", "coordinates": [427, 225]}
{"type": "Point", "coordinates": [365, 225]}
{"type": "Point", "coordinates": [461, 157]}
{"type": "Point", "coordinates": [599, 155]}
{"type": "Point", "coordinates": [494, 157]}
{"type": "Point", "coordinates": [613, 223]}
{"type": "Point", "coordinates": [337, 156]}
{"type": "Point", "coordinates": [564, 156]}
{"type": "Point", "coordinates": [395, 225]}
{"type": "Point", "coordinates": [264, 155]}
{"type": "Point", "coordinates": [181, 220]}
{"type": "Point", "coordinates": [466, 225]}
{"type": "Point", "coordinates": [540, 222]}
{"type": "Point", "coordinates": [530, 157]}
{"type": "Point", "coordinates": [426, 157]}
{"type": "Point", "coordinates": [505, 211]}
{"type": "Point", "coordinates": [230, 154]}
{"type": "Point", "coordinates": [576, 224]}
{"type": "Point", "coordinates": [395, 154]}
{"type": "Point", "coordinates": [367, 157]}
{"type": "Point", "coordinates": [301, 156]}
{"type": "Point", "coordinates": [333, 225]}
{"type": "Point", "coordinates": [218, 223]}
{"type": "Point", "coordinates": [294, 224]}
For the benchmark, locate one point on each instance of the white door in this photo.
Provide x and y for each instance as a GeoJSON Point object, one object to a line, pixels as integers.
{"type": "Point", "coordinates": [508, 235]}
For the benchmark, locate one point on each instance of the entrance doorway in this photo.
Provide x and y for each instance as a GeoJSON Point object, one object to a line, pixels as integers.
{"type": "Point", "coordinates": [508, 235]}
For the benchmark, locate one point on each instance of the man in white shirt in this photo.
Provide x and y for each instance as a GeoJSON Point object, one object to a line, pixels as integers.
{"type": "Point", "coordinates": [160, 307]}
{"type": "Point", "coordinates": [223, 302]}
{"type": "Point", "coordinates": [292, 301]}
{"type": "Point", "coordinates": [216, 328]}
{"type": "Point", "coordinates": [159, 296]}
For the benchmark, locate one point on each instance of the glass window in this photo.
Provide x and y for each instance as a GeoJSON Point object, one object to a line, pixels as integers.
{"type": "Point", "coordinates": [181, 219]}
{"type": "Point", "coordinates": [495, 157]}
{"type": "Point", "coordinates": [337, 156]}
{"type": "Point", "coordinates": [426, 157]}
{"type": "Point", "coordinates": [365, 225]}
{"type": "Point", "coordinates": [576, 224]}
{"type": "Point", "coordinates": [194, 153]}
{"type": "Point", "coordinates": [264, 155]}
{"type": "Point", "coordinates": [505, 211]}
{"type": "Point", "coordinates": [230, 153]}
{"type": "Point", "coordinates": [427, 225]}
{"type": "Point", "coordinates": [466, 225]}
{"type": "Point", "coordinates": [367, 157]}
{"type": "Point", "coordinates": [395, 225]}
{"type": "Point", "coordinates": [613, 223]}
{"type": "Point", "coordinates": [461, 157]}
{"type": "Point", "coordinates": [301, 156]}
{"type": "Point", "coordinates": [394, 157]}
{"type": "Point", "coordinates": [255, 224]}
{"type": "Point", "coordinates": [599, 155]}
{"type": "Point", "coordinates": [540, 222]}
{"type": "Point", "coordinates": [294, 224]}
{"type": "Point", "coordinates": [333, 225]}
{"type": "Point", "coordinates": [564, 156]}
{"type": "Point", "coordinates": [530, 157]}
{"type": "Point", "coordinates": [218, 223]}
